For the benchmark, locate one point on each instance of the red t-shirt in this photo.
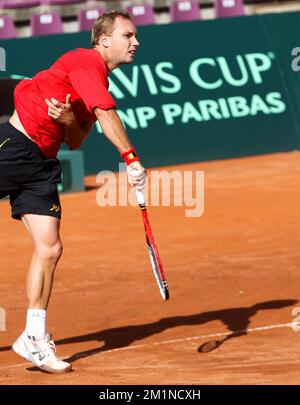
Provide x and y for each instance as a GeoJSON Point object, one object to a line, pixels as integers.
{"type": "Point", "coordinates": [81, 73]}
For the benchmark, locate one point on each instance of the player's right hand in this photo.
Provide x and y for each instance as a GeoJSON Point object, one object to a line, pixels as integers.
{"type": "Point", "coordinates": [137, 175]}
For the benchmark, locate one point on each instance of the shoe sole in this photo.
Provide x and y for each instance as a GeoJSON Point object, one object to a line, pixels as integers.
{"type": "Point", "coordinates": [24, 353]}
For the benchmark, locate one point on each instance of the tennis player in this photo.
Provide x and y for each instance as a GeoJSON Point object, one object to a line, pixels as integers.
{"type": "Point", "coordinates": [58, 105]}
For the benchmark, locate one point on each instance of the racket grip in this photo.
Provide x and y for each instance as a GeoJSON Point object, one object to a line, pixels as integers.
{"type": "Point", "coordinates": [140, 197]}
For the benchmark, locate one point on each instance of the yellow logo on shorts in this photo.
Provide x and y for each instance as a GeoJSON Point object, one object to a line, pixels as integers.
{"type": "Point", "coordinates": [55, 208]}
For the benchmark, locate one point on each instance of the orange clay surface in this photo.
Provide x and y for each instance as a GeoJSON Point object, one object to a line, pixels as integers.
{"type": "Point", "coordinates": [234, 277]}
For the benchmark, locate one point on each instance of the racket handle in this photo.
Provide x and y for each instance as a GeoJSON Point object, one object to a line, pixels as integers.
{"type": "Point", "coordinates": [140, 197]}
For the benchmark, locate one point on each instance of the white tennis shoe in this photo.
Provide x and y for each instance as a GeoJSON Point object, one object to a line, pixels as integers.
{"type": "Point", "coordinates": [41, 353]}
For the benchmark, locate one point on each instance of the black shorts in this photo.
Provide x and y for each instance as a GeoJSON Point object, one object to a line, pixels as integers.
{"type": "Point", "coordinates": [27, 176]}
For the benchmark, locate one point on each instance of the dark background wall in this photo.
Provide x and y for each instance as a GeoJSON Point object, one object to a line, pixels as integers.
{"type": "Point", "coordinates": [196, 91]}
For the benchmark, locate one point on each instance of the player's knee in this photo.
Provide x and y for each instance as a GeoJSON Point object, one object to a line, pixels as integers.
{"type": "Point", "coordinates": [57, 251]}
{"type": "Point", "coordinates": [50, 253]}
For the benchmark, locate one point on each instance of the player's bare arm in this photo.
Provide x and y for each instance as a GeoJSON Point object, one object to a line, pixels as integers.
{"type": "Point", "coordinates": [75, 134]}
{"type": "Point", "coordinates": [114, 130]}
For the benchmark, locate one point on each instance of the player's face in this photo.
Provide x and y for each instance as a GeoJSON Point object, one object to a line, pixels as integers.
{"type": "Point", "coordinates": [123, 41]}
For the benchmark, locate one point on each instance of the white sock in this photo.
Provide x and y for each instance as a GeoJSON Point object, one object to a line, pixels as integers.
{"type": "Point", "coordinates": [36, 323]}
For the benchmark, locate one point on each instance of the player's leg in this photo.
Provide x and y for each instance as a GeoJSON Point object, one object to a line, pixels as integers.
{"type": "Point", "coordinates": [44, 231]}
{"type": "Point", "coordinates": [35, 344]}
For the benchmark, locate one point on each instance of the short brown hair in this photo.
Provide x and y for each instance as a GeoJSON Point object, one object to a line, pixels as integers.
{"type": "Point", "coordinates": [105, 24]}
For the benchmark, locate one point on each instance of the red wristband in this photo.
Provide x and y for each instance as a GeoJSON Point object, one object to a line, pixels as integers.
{"type": "Point", "coordinates": [130, 156]}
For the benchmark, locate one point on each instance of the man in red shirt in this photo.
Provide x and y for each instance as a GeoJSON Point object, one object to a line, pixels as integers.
{"type": "Point", "coordinates": [58, 105]}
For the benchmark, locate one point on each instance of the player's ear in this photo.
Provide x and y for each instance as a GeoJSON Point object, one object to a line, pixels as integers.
{"type": "Point", "coordinates": [104, 40]}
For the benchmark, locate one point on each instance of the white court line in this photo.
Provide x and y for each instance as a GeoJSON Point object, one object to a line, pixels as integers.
{"type": "Point", "coordinates": [164, 342]}
{"type": "Point", "coordinates": [213, 335]}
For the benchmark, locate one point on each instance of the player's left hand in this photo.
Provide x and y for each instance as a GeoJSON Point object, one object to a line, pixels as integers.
{"type": "Point", "coordinates": [61, 112]}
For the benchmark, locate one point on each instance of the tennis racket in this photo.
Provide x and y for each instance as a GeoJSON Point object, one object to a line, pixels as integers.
{"type": "Point", "coordinates": [152, 249]}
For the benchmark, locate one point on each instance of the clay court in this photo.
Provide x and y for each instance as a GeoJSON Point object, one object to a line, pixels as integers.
{"type": "Point", "coordinates": [234, 278]}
